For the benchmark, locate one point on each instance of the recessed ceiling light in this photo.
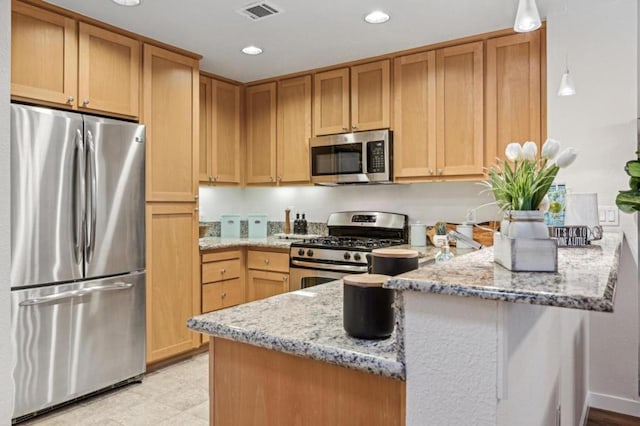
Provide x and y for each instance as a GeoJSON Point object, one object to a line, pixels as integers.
{"type": "Point", "coordinates": [252, 50]}
{"type": "Point", "coordinates": [376, 17]}
{"type": "Point", "coordinates": [127, 2]}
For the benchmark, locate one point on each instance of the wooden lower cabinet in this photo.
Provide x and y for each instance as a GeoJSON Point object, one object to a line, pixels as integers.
{"type": "Point", "coordinates": [173, 285]}
{"type": "Point", "coordinates": [223, 274]}
{"type": "Point", "coordinates": [263, 284]}
{"type": "Point", "coordinates": [256, 386]}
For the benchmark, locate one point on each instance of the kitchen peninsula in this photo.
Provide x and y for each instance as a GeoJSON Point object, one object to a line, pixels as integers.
{"type": "Point", "coordinates": [451, 360]}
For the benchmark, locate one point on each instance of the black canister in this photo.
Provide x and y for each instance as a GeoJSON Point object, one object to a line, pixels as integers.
{"type": "Point", "coordinates": [367, 307]}
{"type": "Point", "coordinates": [393, 261]}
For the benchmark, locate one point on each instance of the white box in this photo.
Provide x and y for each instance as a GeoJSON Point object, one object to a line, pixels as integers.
{"type": "Point", "coordinates": [230, 226]}
{"type": "Point", "coordinates": [257, 225]}
{"type": "Point", "coordinates": [525, 254]}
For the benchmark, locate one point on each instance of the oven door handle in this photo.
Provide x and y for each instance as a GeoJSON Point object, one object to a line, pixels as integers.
{"type": "Point", "coordinates": [346, 268]}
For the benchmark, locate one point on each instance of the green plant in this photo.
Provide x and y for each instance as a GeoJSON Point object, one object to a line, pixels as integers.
{"type": "Point", "coordinates": [629, 201]}
{"type": "Point", "coordinates": [522, 182]}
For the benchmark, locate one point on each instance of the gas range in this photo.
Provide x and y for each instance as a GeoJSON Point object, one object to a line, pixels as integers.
{"type": "Point", "coordinates": [352, 236]}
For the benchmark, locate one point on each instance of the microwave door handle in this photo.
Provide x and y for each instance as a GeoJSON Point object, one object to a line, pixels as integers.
{"type": "Point", "coordinates": [78, 198]}
{"type": "Point", "coordinates": [92, 194]}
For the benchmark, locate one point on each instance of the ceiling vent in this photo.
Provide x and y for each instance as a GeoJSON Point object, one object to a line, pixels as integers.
{"type": "Point", "coordinates": [259, 10]}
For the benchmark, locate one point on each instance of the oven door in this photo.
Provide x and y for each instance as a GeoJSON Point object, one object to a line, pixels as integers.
{"type": "Point", "coordinates": [300, 278]}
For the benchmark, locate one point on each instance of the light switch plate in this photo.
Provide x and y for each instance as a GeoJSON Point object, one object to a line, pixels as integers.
{"type": "Point", "coordinates": [608, 216]}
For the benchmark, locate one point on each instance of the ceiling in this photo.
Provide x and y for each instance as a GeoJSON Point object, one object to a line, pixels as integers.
{"type": "Point", "coordinates": [309, 34]}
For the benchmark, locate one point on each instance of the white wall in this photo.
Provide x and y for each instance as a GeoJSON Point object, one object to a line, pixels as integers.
{"type": "Point", "coordinates": [600, 121]}
{"type": "Point", "coordinates": [6, 383]}
{"type": "Point", "coordinates": [427, 202]}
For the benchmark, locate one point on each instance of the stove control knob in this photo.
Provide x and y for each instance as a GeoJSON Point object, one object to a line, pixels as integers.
{"type": "Point", "coordinates": [310, 253]}
{"type": "Point", "coordinates": [300, 252]}
{"type": "Point", "coordinates": [347, 256]}
{"type": "Point", "coordinates": [357, 257]}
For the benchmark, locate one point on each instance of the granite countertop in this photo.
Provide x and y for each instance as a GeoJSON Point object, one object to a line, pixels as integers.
{"type": "Point", "coordinates": [307, 323]}
{"type": "Point", "coordinates": [211, 243]}
{"type": "Point", "coordinates": [586, 278]}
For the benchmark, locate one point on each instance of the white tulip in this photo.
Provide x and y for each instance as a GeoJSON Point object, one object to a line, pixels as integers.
{"type": "Point", "coordinates": [513, 151]}
{"type": "Point", "coordinates": [529, 151]}
{"type": "Point", "coordinates": [566, 157]}
{"type": "Point", "coordinates": [550, 149]}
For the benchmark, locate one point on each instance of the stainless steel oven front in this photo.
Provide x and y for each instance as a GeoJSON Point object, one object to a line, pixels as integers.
{"type": "Point", "coordinates": [300, 278]}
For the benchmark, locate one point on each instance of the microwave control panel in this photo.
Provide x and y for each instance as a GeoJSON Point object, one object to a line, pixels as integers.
{"type": "Point", "coordinates": [375, 157]}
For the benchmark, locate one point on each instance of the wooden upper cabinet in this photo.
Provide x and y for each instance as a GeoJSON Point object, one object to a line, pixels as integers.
{"type": "Point", "coordinates": [204, 151]}
{"type": "Point", "coordinates": [370, 91]}
{"type": "Point", "coordinates": [294, 129]}
{"type": "Point", "coordinates": [513, 92]}
{"type": "Point", "coordinates": [261, 133]}
{"type": "Point", "coordinates": [331, 102]}
{"type": "Point", "coordinates": [225, 132]}
{"type": "Point", "coordinates": [44, 56]}
{"type": "Point", "coordinates": [173, 279]}
{"type": "Point", "coordinates": [415, 116]}
{"type": "Point", "coordinates": [459, 110]}
{"type": "Point", "coordinates": [108, 71]}
{"type": "Point", "coordinates": [171, 114]}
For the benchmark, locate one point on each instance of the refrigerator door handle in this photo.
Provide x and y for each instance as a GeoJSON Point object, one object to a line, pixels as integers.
{"type": "Point", "coordinates": [91, 154]}
{"type": "Point", "coordinates": [78, 198]}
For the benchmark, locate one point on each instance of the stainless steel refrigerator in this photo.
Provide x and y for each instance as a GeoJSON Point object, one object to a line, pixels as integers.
{"type": "Point", "coordinates": [78, 255]}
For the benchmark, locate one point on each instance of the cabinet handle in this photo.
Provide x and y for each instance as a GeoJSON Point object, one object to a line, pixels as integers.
{"type": "Point", "coordinates": [223, 271]}
{"type": "Point", "coordinates": [266, 261]}
{"type": "Point", "coordinates": [440, 171]}
{"type": "Point", "coordinates": [70, 99]}
{"type": "Point", "coordinates": [223, 295]}
{"type": "Point", "coordinates": [85, 102]}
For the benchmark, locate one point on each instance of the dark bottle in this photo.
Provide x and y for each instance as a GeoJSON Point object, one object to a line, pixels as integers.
{"type": "Point", "coordinates": [296, 224]}
{"type": "Point", "coordinates": [303, 225]}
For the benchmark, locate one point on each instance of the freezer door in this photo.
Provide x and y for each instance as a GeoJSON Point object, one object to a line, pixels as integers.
{"type": "Point", "coordinates": [115, 199]}
{"type": "Point", "coordinates": [46, 188]}
{"type": "Point", "coordinates": [73, 339]}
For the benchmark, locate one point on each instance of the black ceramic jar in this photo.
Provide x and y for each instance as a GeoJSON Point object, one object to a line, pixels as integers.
{"type": "Point", "coordinates": [367, 307]}
{"type": "Point", "coordinates": [393, 261]}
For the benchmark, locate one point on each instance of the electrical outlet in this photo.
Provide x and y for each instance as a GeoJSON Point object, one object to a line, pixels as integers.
{"type": "Point", "coordinates": [608, 216]}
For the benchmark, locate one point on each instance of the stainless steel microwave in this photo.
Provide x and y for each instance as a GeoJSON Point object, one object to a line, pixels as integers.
{"type": "Point", "coordinates": [363, 157]}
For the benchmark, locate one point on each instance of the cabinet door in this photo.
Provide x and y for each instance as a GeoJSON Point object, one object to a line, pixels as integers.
{"type": "Point", "coordinates": [261, 133]}
{"type": "Point", "coordinates": [263, 284]}
{"type": "Point", "coordinates": [414, 139]}
{"type": "Point", "coordinates": [331, 102]}
{"type": "Point", "coordinates": [44, 56]}
{"type": "Point", "coordinates": [512, 92]}
{"type": "Point", "coordinates": [204, 151]}
{"type": "Point", "coordinates": [294, 129]}
{"type": "Point", "coordinates": [171, 105]}
{"type": "Point", "coordinates": [225, 132]}
{"type": "Point", "coordinates": [173, 279]}
{"type": "Point", "coordinates": [459, 110]}
{"type": "Point", "coordinates": [108, 71]}
{"type": "Point", "coordinates": [370, 101]}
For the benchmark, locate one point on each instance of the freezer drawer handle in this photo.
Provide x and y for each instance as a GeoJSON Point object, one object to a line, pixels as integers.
{"type": "Point", "coordinates": [75, 293]}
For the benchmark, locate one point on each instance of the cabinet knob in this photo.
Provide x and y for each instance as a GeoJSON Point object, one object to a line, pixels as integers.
{"type": "Point", "coordinates": [196, 209]}
{"type": "Point", "coordinates": [440, 171]}
{"type": "Point", "coordinates": [70, 99]}
{"type": "Point", "coordinates": [85, 102]}
{"type": "Point", "coordinates": [223, 271]}
{"type": "Point", "coordinates": [285, 278]}
{"type": "Point", "coordinates": [279, 178]}
{"type": "Point", "coordinates": [210, 178]}
{"type": "Point", "coordinates": [195, 197]}
{"type": "Point", "coordinates": [430, 171]}
{"type": "Point", "coordinates": [345, 129]}
{"type": "Point", "coordinates": [354, 127]}
{"type": "Point", "coordinates": [223, 295]}
{"type": "Point", "coordinates": [266, 261]}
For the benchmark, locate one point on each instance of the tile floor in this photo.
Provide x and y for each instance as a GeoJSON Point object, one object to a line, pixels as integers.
{"type": "Point", "coordinates": [175, 395]}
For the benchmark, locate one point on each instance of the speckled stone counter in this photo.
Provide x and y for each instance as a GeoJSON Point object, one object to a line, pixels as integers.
{"type": "Point", "coordinates": [211, 243]}
{"type": "Point", "coordinates": [307, 323]}
{"type": "Point", "coordinates": [586, 278]}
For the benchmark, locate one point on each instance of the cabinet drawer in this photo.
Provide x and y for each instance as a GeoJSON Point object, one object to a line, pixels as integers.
{"type": "Point", "coordinates": [222, 270]}
{"type": "Point", "coordinates": [268, 261]}
{"type": "Point", "coordinates": [220, 255]}
{"type": "Point", "coordinates": [222, 295]}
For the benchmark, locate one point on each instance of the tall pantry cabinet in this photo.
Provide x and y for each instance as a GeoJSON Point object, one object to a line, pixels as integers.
{"type": "Point", "coordinates": [171, 112]}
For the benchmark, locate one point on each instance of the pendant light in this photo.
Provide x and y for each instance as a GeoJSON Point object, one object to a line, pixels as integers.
{"type": "Point", "coordinates": [527, 18]}
{"type": "Point", "coordinates": [566, 88]}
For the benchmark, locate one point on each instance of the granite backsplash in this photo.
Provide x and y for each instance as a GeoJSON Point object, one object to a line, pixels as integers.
{"type": "Point", "coordinates": [319, 228]}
